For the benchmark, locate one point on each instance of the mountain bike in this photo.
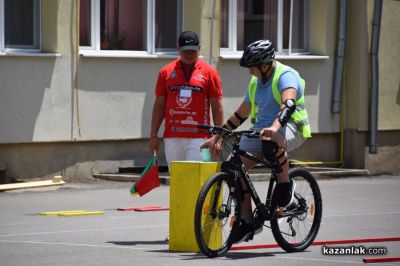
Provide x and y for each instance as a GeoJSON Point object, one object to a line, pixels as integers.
{"type": "Point", "coordinates": [217, 211]}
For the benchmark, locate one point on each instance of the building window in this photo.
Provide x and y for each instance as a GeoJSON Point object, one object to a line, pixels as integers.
{"type": "Point", "coordinates": [85, 23]}
{"type": "Point", "coordinates": [150, 26]}
{"type": "Point", "coordinates": [284, 22]}
{"type": "Point", "coordinates": [20, 28]}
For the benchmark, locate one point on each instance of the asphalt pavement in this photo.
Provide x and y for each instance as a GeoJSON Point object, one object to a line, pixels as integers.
{"type": "Point", "coordinates": [363, 207]}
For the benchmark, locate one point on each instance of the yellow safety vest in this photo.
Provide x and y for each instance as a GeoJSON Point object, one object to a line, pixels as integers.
{"type": "Point", "coordinates": [298, 118]}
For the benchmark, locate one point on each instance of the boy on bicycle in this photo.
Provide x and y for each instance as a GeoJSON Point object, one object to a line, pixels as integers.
{"type": "Point", "coordinates": [275, 103]}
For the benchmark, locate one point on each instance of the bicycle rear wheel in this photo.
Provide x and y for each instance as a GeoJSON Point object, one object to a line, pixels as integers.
{"type": "Point", "coordinates": [297, 227]}
{"type": "Point", "coordinates": [216, 215]}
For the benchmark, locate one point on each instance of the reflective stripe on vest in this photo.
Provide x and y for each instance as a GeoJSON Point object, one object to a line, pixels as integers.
{"type": "Point", "coordinates": [299, 118]}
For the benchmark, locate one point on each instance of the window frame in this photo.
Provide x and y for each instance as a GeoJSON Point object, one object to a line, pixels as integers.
{"type": "Point", "coordinates": [37, 25]}
{"type": "Point", "coordinates": [231, 50]}
{"type": "Point", "coordinates": [94, 5]}
{"type": "Point", "coordinates": [150, 32]}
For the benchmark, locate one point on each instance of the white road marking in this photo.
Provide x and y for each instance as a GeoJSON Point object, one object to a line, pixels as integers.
{"type": "Point", "coordinates": [72, 244]}
{"type": "Point", "coordinates": [86, 230]}
{"type": "Point", "coordinates": [360, 214]}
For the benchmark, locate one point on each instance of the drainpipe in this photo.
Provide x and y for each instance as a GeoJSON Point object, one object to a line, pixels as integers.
{"type": "Point", "coordinates": [76, 58]}
{"type": "Point", "coordinates": [341, 44]}
{"type": "Point", "coordinates": [373, 124]}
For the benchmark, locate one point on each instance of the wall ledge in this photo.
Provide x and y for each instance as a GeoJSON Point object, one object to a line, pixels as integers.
{"type": "Point", "coordinates": [29, 54]}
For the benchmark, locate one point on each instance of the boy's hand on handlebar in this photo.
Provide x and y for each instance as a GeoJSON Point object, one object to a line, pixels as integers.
{"type": "Point", "coordinates": [268, 133]}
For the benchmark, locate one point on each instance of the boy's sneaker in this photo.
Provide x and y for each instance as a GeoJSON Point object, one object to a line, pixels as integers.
{"type": "Point", "coordinates": [285, 193]}
{"type": "Point", "coordinates": [246, 232]}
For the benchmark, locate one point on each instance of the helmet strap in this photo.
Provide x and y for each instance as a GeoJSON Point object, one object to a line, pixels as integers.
{"type": "Point", "coordinates": [264, 74]}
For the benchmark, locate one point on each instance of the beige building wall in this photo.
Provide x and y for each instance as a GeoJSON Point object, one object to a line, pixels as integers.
{"type": "Point", "coordinates": [116, 97]}
{"type": "Point", "coordinates": [357, 67]}
{"type": "Point", "coordinates": [388, 155]}
{"type": "Point", "coordinates": [357, 87]}
{"type": "Point", "coordinates": [389, 66]}
{"type": "Point", "coordinates": [192, 15]}
{"type": "Point", "coordinates": [357, 78]}
{"type": "Point", "coordinates": [77, 115]}
{"type": "Point", "coordinates": [77, 96]}
{"type": "Point", "coordinates": [38, 89]}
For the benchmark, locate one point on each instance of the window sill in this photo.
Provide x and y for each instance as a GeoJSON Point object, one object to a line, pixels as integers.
{"type": "Point", "coordinates": [29, 54]}
{"type": "Point", "coordinates": [125, 54]}
{"type": "Point", "coordinates": [282, 57]}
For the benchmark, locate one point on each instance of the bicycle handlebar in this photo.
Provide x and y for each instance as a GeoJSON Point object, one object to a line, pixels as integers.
{"type": "Point", "coordinates": [215, 130]}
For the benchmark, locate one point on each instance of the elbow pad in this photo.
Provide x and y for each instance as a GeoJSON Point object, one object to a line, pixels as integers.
{"type": "Point", "coordinates": [286, 111]}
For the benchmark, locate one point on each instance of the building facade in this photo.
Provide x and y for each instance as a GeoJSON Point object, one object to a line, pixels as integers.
{"type": "Point", "coordinates": [77, 78]}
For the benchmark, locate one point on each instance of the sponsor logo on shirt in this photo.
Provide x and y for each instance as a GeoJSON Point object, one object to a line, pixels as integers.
{"type": "Point", "coordinates": [183, 102]}
{"type": "Point", "coordinates": [184, 87]}
{"type": "Point", "coordinates": [173, 74]}
{"type": "Point", "coordinates": [199, 77]}
{"type": "Point", "coordinates": [184, 129]}
{"type": "Point", "coordinates": [189, 121]}
{"type": "Point", "coordinates": [181, 112]}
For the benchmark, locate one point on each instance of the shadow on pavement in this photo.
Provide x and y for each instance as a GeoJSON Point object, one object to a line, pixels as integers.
{"type": "Point", "coordinates": [232, 255]}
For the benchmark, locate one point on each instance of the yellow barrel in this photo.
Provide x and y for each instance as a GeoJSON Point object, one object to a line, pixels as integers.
{"type": "Point", "coordinates": [186, 180]}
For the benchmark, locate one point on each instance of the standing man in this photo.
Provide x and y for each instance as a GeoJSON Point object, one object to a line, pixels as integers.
{"type": "Point", "coordinates": [185, 90]}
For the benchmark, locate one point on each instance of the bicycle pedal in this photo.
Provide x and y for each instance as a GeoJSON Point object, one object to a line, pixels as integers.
{"type": "Point", "coordinates": [249, 237]}
{"type": "Point", "coordinates": [252, 234]}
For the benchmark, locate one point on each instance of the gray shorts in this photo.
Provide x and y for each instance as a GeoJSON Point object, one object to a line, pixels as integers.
{"type": "Point", "coordinates": [292, 136]}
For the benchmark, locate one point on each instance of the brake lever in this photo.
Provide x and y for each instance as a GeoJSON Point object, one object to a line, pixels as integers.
{"type": "Point", "coordinates": [214, 131]}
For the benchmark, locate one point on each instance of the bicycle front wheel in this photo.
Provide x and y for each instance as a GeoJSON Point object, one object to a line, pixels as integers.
{"type": "Point", "coordinates": [217, 215]}
{"type": "Point", "coordinates": [296, 228]}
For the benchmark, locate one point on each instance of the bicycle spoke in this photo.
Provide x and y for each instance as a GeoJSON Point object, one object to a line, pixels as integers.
{"type": "Point", "coordinates": [299, 224]}
{"type": "Point", "coordinates": [215, 211]}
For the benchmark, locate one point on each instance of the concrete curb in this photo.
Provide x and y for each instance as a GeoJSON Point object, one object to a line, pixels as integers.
{"type": "Point", "coordinates": [126, 177]}
{"type": "Point", "coordinates": [255, 174]}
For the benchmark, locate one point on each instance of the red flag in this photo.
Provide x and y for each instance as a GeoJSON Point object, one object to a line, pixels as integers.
{"type": "Point", "coordinates": [148, 179]}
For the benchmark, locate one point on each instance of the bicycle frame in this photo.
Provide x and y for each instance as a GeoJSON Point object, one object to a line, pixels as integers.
{"type": "Point", "coordinates": [233, 164]}
{"type": "Point", "coordinates": [230, 186]}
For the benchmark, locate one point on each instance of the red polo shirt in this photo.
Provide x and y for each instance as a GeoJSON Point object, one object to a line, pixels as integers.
{"type": "Point", "coordinates": [188, 97]}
